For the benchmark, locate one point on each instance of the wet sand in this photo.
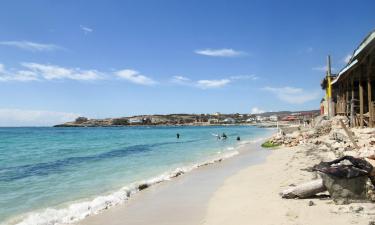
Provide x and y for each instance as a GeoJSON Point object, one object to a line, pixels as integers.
{"type": "Point", "coordinates": [183, 200]}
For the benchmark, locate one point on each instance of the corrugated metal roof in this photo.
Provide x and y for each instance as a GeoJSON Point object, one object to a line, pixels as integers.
{"type": "Point", "coordinates": [353, 61]}
{"type": "Point", "coordinates": [344, 70]}
{"type": "Point", "coordinates": [367, 41]}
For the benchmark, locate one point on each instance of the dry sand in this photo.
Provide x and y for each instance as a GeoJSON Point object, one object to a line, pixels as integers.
{"type": "Point", "coordinates": [252, 195]}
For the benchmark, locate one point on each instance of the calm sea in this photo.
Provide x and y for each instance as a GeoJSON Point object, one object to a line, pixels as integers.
{"type": "Point", "coordinates": [61, 175]}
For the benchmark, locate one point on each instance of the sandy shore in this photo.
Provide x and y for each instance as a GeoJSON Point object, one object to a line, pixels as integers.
{"type": "Point", "coordinates": [252, 195]}
{"type": "Point", "coordinates": [183, 200]}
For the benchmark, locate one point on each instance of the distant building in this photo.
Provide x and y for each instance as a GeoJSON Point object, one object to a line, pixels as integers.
{"type": "Point", "coordinates": [289, 118]}
{"type": "Point", "coordinates": [213, 121]}
{"type": "Point", "coordinates": [229, 120]}
{"type": "Point", "coordinates": [158, 120]}
{"type": "Point", "coordinates": [260, 118]}
{"type": "Point", "coordinates": [216, 114]}
{"type": "Point", "coordinates": [274, 118]}
{"type": "Point", "coordinates": [249, 120]}
{"type": "Point", "coordinates": [135, 121]}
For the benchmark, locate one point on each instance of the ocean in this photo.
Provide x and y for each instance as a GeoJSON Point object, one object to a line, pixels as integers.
{"type": "Point", "coordinates": [61, 175]}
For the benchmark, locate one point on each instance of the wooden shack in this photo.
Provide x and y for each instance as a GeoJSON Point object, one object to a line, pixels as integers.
{"type": "Point", "coordinates": [354, 86]}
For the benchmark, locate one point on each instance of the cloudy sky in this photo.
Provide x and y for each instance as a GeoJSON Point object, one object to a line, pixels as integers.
{"type": "Point", "coordinates": [61, 59]}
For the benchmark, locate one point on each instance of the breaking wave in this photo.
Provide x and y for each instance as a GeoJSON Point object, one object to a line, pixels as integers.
{"type": "Point", "coordinates": [80, 210]}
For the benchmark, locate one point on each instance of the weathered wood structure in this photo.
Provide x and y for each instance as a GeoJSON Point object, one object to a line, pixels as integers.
{"type": "Point", "coordinates": [353, 88]}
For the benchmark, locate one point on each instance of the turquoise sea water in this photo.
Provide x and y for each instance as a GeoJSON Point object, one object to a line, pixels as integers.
{"type": "Point", "coordinates": [55, 175]}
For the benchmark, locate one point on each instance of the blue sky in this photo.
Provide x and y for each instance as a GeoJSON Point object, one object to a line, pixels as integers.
{"type": "Point", "coordinates": [61, 59]}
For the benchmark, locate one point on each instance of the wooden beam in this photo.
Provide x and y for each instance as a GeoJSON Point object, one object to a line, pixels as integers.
{"type": "Point", "coordinates": [347, 110]}
{"type": "Point", "coordinates": [349, 133]}
{"type": "Point", "coordinates": [352, 102]}
{"type": "Point", "coordinates": [360, 98]}
{"type": "Point", "coordinates": [369, 93]}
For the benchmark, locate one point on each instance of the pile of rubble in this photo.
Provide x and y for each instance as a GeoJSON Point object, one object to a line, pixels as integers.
{"type": "Point", "coordinates": [288, 140]}
{"type": "Point", "coordinates": [332, 140]}
{"type": "Point", "coordinates": [329, 136]}
{"type": "Point", "coordinates": [293, 136]}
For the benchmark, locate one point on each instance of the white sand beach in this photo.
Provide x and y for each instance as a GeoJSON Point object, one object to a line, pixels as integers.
{"type": "Point", "coordinates": [252, 196]}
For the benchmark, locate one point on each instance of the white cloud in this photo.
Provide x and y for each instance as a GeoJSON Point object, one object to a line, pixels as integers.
{"type": "Point", "coordinates": [19, 117]}
{"type": "Point", "coordinates": [31, 46]}
{"type": "Point", "coordinates": [20, 75]}
{"type": "Point", "coordinates": [52, 72]}
{"type": "Point", "coordinates": [86, 30]}
{"type": "Point", "coordinates": [225, 52]}
{"type": "Point", "coordinates": [181, 80]}
{"type": "Point", "coordinates": [36, 71]}
{"type": "Point", "coordinates": [212, 83]}
{"type": "Point", "coordinates": [205, 84]}
{"type": "Point", "coordinates": [256, 110]}
{"type": "Point", "coordinates": [2, 68]}
{"type": "Point", "coordinates": [293, 95]}
{"type": "Point", "coordinates": [135, 77]}
{"type": "Point", "coordinates": [244, 77]}
{"type": "Point", "coordinates": [347, 58]}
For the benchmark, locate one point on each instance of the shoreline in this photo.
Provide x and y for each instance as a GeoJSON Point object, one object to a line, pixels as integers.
{"type": "Point", "coordinates": [75, 212]}
{"type": "Point", "coordinates": [182, 200]}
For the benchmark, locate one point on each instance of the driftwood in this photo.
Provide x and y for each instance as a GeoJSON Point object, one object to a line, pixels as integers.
{"type": "Point", "coordinates": [349, 134]}
{"type": "Point", "coordinates": [304, 190]}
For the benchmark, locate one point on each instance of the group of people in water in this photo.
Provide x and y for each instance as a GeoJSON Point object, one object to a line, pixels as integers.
{"type": "Point", "coordinates": [219, 137]}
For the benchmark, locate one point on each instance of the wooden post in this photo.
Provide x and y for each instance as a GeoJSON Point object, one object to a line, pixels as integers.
{"type": "Point", "coordinates": [338, 98]}
{"type": "Point", "coordinates": [347, 99]}
{"type": "Point", "coordinates": [352, 102]}
{"type": "Point", "coordinates": [343, 99]}
{"type": "Point", "coordinates": [360, 98]}
{"type": "Point", "coordinates": [369, 99]}
{"type": "Point", "coordinates": [329, 89]}
{"type": "Point", "coordinates": [369, 92]}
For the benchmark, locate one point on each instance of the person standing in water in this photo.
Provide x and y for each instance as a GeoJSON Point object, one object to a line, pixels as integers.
{"type": "Point", "coordinates": [178, 136]}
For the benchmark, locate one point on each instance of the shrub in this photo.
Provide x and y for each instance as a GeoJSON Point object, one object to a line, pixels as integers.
{"type": "Point", "coordinates": [270, 144]}
{"type": "Point", "coordinates": [120, 122]}
{"type": "Point", "coordinates": [81, 119]}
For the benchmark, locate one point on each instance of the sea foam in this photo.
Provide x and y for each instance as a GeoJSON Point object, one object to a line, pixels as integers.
{"type": "Point", "coordinates": [80, 210]}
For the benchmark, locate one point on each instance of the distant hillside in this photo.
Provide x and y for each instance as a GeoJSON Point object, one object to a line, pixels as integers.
{"type": "Point", "coordinates": [176, 119]}
{"type": "Point", "coordinates": [282, 113]}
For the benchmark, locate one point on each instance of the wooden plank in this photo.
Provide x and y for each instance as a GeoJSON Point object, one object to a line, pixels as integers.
{"type": "Point", "coordinates": [369, 92]}
{"type": "Point", "coordinates": [352, 112]}
{"type": "Point", "coordinates": [348, 132]}
{"type": "Point", "coordinates": [360, 99]}
{"type": "Point", "coordinates": [344, 98]}
{"type": "Point", "coordinates": [369, 99]}
{"type": "Point", "coordinates": [347, 98]}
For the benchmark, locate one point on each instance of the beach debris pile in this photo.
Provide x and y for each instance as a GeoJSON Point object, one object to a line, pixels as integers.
{"type": "Point", "coordinates": [346, 179]}
{"type": "Point", "coordinates": [346, 172]}
{"type": "Point", "coordinates": [291, 139]}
